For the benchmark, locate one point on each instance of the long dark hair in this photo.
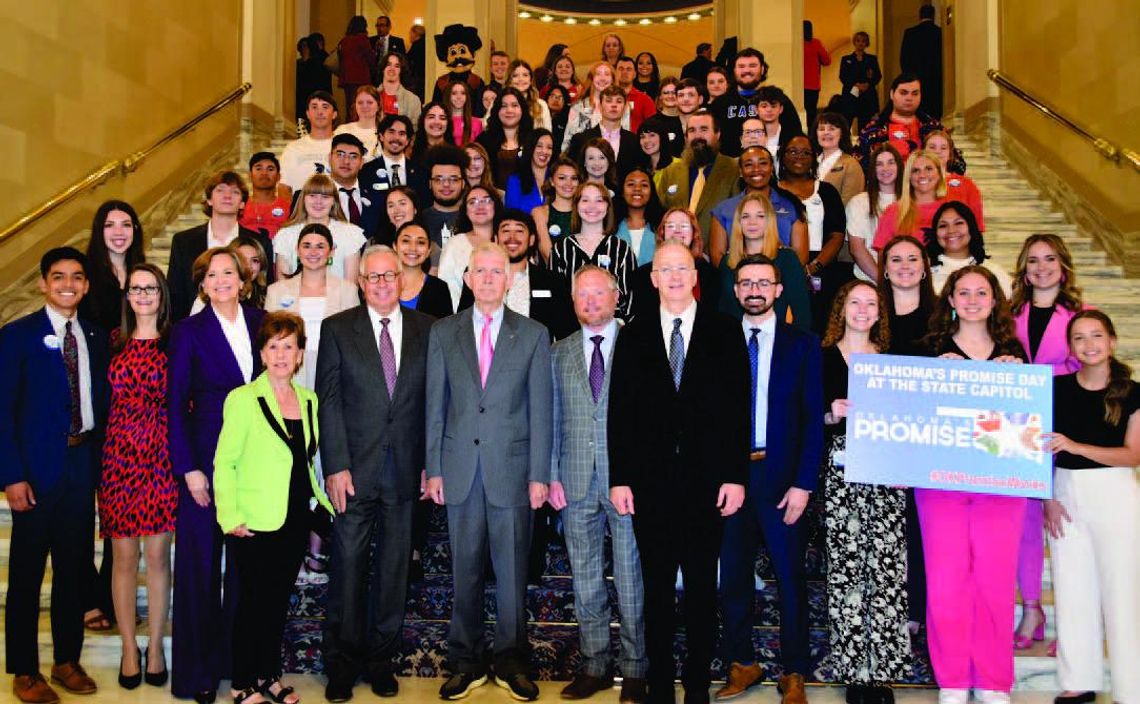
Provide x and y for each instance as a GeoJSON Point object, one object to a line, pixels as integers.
{"type": "Point", "coordinates": [420, 141]}
{"type": "Point", "coordinates": [926, 295]}
{"type": "Point", "coordinates": [880, 335]}
{"type": "Point", "coordinates": [463, 222]}
{"type": "Point", "coordinates": [977, 245]}
{"type": "Point", "coordinates": [653, 208]}
{"type": "Point", "coordinates": [310, 229]}
{"type": "Point", "coordinates": [944, 322]}
{"type": "Point", "coordinates": [1119, 374]}
{"type": "Point", "coordinates": [494, 135]}
{"type": "Point", "coordinates": [523, 167]}
{"type": "Point", "coordinates": [873, 181]}
{"type": "Point", "coordinates": [130, 323]}
{"type": "Point", "coordinates": [99, 269]}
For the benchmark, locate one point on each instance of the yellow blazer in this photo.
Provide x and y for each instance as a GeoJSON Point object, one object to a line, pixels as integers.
{"type": "Point", "coordinates": [252, 464]}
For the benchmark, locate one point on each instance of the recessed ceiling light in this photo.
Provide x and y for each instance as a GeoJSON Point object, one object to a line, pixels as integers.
{"type": "Point", "coordinates": [670, 19]}
{"type": "Point", "coordinates": [645, 20]}
{"type": "Point", "coordinates": [524, 15]}
{"type": "Point", "coordinates": [694, 16]}
{"type": "Point", "coordinates": [595, 22]}
{"type": "Point", "coordinates": [570, 20]}
{"type": "Point", "coordinates": [620, 23]}
{"type": "Point", "coordinates": [546, 18]}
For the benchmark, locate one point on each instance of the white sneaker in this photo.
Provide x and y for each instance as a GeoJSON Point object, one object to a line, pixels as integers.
{"type": "Point", "coordinates": [993, 696]}
{"type": "Point", "coordinates": [953, 696]}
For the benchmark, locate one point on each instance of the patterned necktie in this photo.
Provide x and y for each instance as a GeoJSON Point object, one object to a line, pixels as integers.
{"type": "Point", "coordinates": [696, 191]}
{"type": "Point", "coordinates": [486, 352]}
{"type": "Point", "coordinates": [71, 361]}
{"type": "Point", "coordinates": [676, 353]}
{"type": "Point", "coordinates": [353, 208]}
{"type": "Point", "coordinates": [387, 356]}
{"type": "Point", "coordinates": [754, 362]}
{"type": "Point", "coordinates": [395, 175]}
{"type": "Point", "coordinates": [597, 367]}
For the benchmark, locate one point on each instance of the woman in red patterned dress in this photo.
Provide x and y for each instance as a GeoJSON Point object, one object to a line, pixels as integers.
{"type": "Point", "coordinates": [137, 492]}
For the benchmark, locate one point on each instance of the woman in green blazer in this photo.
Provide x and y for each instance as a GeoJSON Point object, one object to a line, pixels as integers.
{"type": "Point", "coordinates": [263, 480]}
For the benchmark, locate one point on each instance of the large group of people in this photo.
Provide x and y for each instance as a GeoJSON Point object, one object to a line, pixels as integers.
{"type": "Point", "coordinates": [625, 306]}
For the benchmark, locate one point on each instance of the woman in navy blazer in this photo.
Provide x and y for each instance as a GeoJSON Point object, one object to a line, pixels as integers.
{"type": "Point", "coordinates": [211, 353]}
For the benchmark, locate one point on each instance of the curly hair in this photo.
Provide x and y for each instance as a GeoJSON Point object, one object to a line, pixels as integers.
{"type": "Point", "coordinates": [1069, 294]}
{"type": "Point", "coordinates": [880, 334]}
{"type": "Point", "coordinates": [944, 321]}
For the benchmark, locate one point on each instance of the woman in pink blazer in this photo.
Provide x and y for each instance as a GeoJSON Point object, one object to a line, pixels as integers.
{"type": "Point", "coordinates": [1045, 297]}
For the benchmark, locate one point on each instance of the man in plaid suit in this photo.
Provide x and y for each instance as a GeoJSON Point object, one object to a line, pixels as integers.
{"type": "Point", "coordinates": [579, 488]}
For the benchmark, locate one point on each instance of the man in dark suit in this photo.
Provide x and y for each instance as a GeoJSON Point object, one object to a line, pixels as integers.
{"type": "Point", "coordinates": [676, 376]}
{"type": "Point", "coordinates": [384, 41]}
{"type": "Point", "coordinates": [537, 293]}
{"type": "Point", "coordinates": [226, 195]}
{"type": "Point", "coordinates": [345, 161]}
{"type": "Point", "coordinates": [786, 427]}
{"type": "Point", "coordinates": [53, 407]}
{"type": "Point", "coordinates": [489, 406]}
{"type": "Point", "coordinates": [921, 54]}
{"type": "Point", "coordinates": [370, 381]}
{"type": "Point", "coordinates": [698, 68]}
{"type": "Point", "coordinates": [392, 168]}
{"type": "Point", "coordinates": [628, 151]}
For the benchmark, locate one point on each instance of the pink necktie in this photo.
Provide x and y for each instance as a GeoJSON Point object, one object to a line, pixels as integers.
{"type": "Point", "coordinates": [486, 352]}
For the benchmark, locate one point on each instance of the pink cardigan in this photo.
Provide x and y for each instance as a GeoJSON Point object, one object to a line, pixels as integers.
{"type": "Point", "coordinates": [1054, 347]}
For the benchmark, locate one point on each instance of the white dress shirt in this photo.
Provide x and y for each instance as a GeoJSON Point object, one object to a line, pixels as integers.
{"type": "Point", "coordinates": [764, 344]}
{"type": "Point", "coordinates": [344, 197]}
{"type": "Point", "coordinates": [395, 330]}
{"type": "Point", "coordinates": [608, 333]}
{"type": "Point", "coordinates": [214, 241]}
{"type": "Point", "coordinates": [687, 316]}
{"type": "Point", "coordinates": [58, 323]}
{"type": "Point", "coordinates": [237, 334]}
{"type": "Point", "coordinates": [477, 321]}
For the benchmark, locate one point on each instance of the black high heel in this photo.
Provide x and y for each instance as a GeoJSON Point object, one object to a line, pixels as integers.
{"type": "Point", "coordinates": [130, 681]}
{"type": "Point", "coordinates": [1082, 698]}
{"type": "Point", "coordinates": [154, 679]}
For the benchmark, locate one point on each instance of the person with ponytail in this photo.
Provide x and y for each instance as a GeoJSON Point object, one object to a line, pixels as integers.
{"type": "Point", "coordinates": [1094, 517]}
{"type": "Point", "coordinates": [1045, 298]}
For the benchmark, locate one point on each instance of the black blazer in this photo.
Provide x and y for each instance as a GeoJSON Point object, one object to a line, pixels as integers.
{"type": "Point", "coordinates": [374, 182]}
{"type": "Point", "coordinates": [184, 249]}
{"type": "Point", "coordinates": [359, 422]}
{"type": "Point", "coordinates": [629, 155]}
{"type": "Point", "coordinates": [550, 302]}
{"type": "Point", "coordinates": [435, 298]}
{"type": "Point", "coordinates": [647, 302]}
{"type": "Point", "coordinates": [688, 442]}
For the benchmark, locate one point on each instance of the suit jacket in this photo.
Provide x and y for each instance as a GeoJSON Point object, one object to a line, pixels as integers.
{"type": "Point", "coordinates": [253, 463]}
{"type": "Point", "coordinates": [339, 295]}
{"type": "Point", "coordinates": [35, 412]}
{"type": "Point", "coordinates": [550, 302]}
{"type": "Point", "coordinates": [503, 429]}
{"type": "Point", "coordinates": [374, 181]}
{"type": "Point", "coordinates": [580, 446]}
{"type": "Point", "coordinates": [395, 44]}
{"type": "Point", "coordinates": [360, 423]}
{"type": "Point", "coordinates": [921, 54]}
{"type": "Point", "coordinates": [629, 154]}
{"type": "Point", "coordinates": [673, 187]}
{"type": "Point", "coordinates": [1054, 346]}
{"type": "Point", "coordinates": [202, 371]}
{"type": "Point", "coordinates": [680, 442]}
{"type": "Point", "coordinates": [795, 411]}
{"type": "Point", "coordinates": [184, 249]}
{"type": "Point", "coordinates": [697, 69]}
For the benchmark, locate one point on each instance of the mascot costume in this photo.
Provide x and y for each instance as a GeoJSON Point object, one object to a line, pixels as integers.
{"type": "Point", "coordinates": [456, 48]}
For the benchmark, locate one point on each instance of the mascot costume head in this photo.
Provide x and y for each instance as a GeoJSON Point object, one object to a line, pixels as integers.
{"type": "Point", "coordinates": [456, 48]}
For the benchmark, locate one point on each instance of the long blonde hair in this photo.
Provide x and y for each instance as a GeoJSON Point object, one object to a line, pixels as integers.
{"type": "Point", "coordinates": [1069, 295]}
{"type": "Point", "coordinates": [319, 184]}
{"type": "Point", "coordinates": [908, 209]}
{"type": "Point", "coordinates": [771, 244]}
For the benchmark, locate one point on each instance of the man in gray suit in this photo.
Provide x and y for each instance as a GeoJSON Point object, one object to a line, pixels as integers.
{"type": "Point", "coordinates": [371, 372]}
{"type": "Point", "coordinates": [579, 487]}
{"type": "Point", "coordinates": [488, 460]}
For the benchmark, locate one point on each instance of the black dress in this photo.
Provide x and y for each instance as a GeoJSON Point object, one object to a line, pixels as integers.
{"type": "Point", "coordinates": [866, 557]}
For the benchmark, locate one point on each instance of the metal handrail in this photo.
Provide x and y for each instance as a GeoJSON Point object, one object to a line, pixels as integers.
{"type": "Point", "coordinates": [1106, 148]}
{"type": "Point", "coordinates": [124, 166]}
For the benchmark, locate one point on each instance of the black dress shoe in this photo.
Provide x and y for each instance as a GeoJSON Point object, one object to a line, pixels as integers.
{"type": "Point", "coordinates": [519, 685]}
{"type": "Point", "coordinates": [206, 696]}
{"type": "Point", "coordinates": [856, 694]}
{"type": "Point", "coordinates": [883, 694]}
{"type": "Point", "coordinates": [339, 689]}
{"type": "Point", "coordinates": [154, 679]}
{"type": "Point", "coordinates": [384, 684]}
{"type": "Point", "coordinates": [461, 684]}
{"type": "Point", "coordinates": [131, 681]}
{"type": "Point", "coordinates": [1082, 698]}
{"type": "Point", "coordinates": [585, 686]}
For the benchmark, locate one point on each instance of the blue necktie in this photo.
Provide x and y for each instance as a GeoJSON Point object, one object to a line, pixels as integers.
{"type": "Point", "coordinates": [676, 353]}
{"type": "Point", "coordinates": [754, 361]}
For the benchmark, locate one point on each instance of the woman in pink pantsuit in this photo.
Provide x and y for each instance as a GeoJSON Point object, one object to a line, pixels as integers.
{"type": "Point", "coordinates": [971, 541]}
{"type": "Point", "coordinates": [1045, 298]}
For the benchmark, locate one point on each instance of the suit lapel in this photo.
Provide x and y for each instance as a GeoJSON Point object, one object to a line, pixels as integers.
{"type": "Point", "coordinates": [227, 358]}
{"type": "Point", "coordinates": [580, 371]}
{"type": "Point", "coordinates": [409, 340]}
{"type": "Point", "coordinates": [780, 354]}
{"type": "Point", "coordinates": [504, 345]}
{"type": "Point", "coordinates": [716, 174]}
{"type": "Point", "coordinates": [465, 338]}
{"type": "Point", "coordinates": [368, 348]}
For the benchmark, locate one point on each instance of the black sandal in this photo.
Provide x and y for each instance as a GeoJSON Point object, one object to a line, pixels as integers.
{"type": "Point", "coordinates": [321, 562]}
{"type": "Point", "coordinates": [246, 693]}
{"type": "Point", "coordinates": [282, 696]}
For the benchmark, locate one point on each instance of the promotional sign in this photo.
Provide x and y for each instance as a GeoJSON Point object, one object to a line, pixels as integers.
{"type": "Point", "coordinates": [950, 424]}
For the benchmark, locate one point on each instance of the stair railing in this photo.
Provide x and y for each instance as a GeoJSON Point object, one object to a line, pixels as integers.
{"type": "Point", "coordinates": [123, 166]}
{"type": "Point", "coordinates": [1106, 148]}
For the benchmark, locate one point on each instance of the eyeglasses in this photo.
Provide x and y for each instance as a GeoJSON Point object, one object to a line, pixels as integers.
{"type": "Point", "coordinates": [446, 179]}
{"type": "Point", "coordinates": [756, 285]}
{"type": "Point", "coordinates": [350, 156]}
{"type": "Point", "coordinates": [143, 290]}
{"type": "Point", "coordinates": [753, 133]}
{"type": "Point", "coordinates": [678, 227]}
{"type": "Point", "coordinates": [670, 270]}
{"type": "Point", "coordinates": [798, 152]}
{"type": "Point", "coordinates": [374, 278]}
{"type": "Point", "coordinates": [482, 200]}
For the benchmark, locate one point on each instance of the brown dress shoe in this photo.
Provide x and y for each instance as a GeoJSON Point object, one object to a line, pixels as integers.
{"type": "Point", "coordinates": [633, 690]}
{"type": "Point", "coordinates": [34, 689]}
{"type": "Point", "coordinates": [792, 688]}
{"type": "Point", "coordinates": [73, 678]}
{"type": "Point", "coordinates": [585, 686]}
{"type": "Point", "coordinates": [740, 678]}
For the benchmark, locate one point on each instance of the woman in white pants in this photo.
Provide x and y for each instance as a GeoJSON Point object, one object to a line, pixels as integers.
{"type": "Point", "coordinates": [1094, 517]}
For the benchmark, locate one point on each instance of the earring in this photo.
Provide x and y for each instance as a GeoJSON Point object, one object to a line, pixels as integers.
{"type": "Point", "coordinates": [953, 314]}
{"type": "Point", "coordinates": [922, 277]}
{"type": "Point", "coordinates": [328, 262]}
{"type": "Point", "coordinates": [298, 267]}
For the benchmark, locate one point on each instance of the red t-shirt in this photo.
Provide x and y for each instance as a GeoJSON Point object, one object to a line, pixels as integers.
{"type": "Point", "coordinates": [389, 104]}
{"type": "Point", "coordinates": [887, 228]}
{"type": "Point", "coordinates": [904, 136]}
{"type": "Point", "coordinates": [962, 188]}
{"type": "Point", "coordinates": [265, 216]}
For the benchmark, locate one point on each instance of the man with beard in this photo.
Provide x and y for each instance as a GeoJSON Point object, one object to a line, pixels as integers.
{"type": "Point", "coordinates": [702, 177]}
{"type": "Point", "coordinates": [392, 168]}
{"type": "Point", "coordinates": [904, 124]}
{"type": "Point", "coordinates": [787, 447]}
{"type": "Point", "coordinates": [676, 374]}
{"type": "Point", "coordinates": [446, 164]}
{"type": "Point", "coordinates": [739, 103]}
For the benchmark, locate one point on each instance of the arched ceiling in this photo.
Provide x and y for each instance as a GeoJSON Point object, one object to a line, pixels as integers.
{"type": "Point", "coordinates": [616, 7]}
